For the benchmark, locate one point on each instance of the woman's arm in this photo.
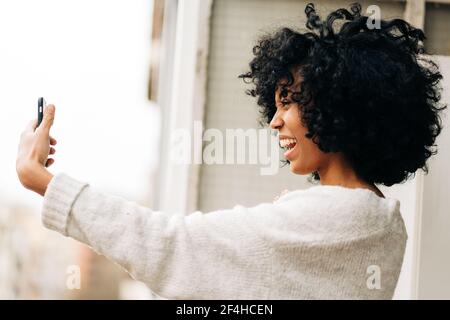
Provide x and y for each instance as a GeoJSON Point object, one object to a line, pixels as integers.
{"type": "Point", "coordinates": [200, 255]}
{"type": "Point", "coordinates": [216, 255]}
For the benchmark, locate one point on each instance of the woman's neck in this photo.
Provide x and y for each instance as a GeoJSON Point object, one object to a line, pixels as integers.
{"type": "Point", "coordinates": [338, 172]}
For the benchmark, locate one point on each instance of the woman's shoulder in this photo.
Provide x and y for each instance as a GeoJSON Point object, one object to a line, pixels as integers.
{"type": "Point", "coordinates": [337, 197]}
{"type": "Point", "coordinates": [334, 211]}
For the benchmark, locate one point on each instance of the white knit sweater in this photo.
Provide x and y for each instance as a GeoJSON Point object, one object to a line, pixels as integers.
{"type": "Point", "coordinates": [325, 242]}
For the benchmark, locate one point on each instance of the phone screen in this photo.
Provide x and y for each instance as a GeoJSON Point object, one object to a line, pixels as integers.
{"type": "Point", "coordinates": [41, 105]}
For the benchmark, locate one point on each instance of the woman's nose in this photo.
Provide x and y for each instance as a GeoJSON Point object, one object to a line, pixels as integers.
{"type": "Point", "coordinates": [276, 122]}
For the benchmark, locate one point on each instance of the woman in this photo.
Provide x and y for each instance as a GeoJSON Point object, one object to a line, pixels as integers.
{"type": "Point", "coordinates": [355, 107]}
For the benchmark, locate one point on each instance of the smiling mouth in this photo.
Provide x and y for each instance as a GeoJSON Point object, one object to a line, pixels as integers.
{"type": "Point", "coordinates": [288, 144]}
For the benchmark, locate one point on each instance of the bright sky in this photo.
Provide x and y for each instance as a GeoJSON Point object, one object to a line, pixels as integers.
{"type": "Point", "coordinates": [90, 59]}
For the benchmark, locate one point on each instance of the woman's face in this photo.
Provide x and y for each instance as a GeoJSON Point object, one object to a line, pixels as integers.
{"type": "Point", "coordinates": [305, 156]}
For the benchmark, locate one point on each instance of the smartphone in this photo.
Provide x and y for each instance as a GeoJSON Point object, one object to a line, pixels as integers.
{"type": "Point", "coordinates": [41, 105]}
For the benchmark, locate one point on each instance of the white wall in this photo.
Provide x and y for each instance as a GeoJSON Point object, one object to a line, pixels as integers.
{"type": "Point", "coordinates": [434, 266]}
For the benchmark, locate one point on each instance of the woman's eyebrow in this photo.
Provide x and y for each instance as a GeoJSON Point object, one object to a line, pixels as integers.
{"type": "Point", "coordinates": [285, 90]}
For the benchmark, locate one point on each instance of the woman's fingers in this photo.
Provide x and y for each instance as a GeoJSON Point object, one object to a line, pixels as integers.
{"type": "Point", "coordinates": [49, 162]}
{"type": "Point", "coordinates": [52, 141]}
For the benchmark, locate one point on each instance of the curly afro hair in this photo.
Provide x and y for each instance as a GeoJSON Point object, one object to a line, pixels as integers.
{"type": "Point", "coordinates": [368, 93]}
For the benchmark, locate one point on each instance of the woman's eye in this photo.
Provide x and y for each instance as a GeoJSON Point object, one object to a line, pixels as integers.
{"type": "Point", "coordinates": [285, 103]}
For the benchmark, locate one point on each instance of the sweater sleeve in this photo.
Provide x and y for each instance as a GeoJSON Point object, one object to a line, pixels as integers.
{"type": "Point", "coordinates": [176, 255]}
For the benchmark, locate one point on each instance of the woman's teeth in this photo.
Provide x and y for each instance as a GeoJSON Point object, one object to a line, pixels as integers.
{"type": "Point", "coordinates": [288, 144]}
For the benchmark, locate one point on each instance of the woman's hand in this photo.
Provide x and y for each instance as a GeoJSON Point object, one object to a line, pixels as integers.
{"type": "Point", "coordinates": [34, 148]}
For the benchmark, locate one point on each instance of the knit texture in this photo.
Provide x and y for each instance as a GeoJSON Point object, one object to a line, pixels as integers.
{"type": "Point", "coordinates": [325, 242]}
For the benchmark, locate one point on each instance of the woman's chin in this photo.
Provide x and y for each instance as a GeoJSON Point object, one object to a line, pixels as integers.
{"type": "Point", "coordinates": [298, 169]}
{"type": "Point", "coordinates": [294, 167]}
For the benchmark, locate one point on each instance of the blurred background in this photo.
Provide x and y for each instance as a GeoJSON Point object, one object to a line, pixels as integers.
{"type": "Point", "coordinates": [124, 75]}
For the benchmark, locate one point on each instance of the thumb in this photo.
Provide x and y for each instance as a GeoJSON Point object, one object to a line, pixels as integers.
{"type": "Point", "coordinates": [49, 116]}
